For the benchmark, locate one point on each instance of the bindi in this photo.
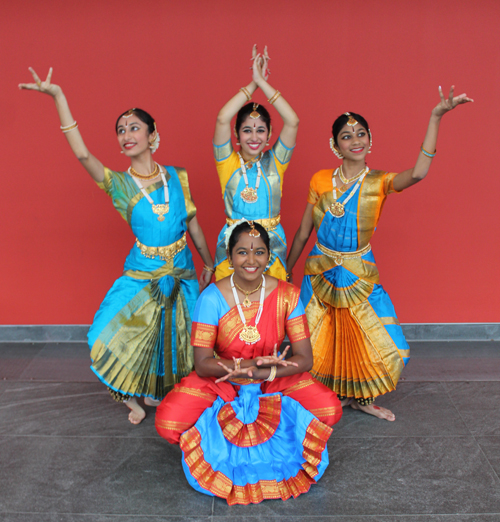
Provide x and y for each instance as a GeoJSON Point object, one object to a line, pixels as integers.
{"type": "Point", "coordinates": [251, 247]}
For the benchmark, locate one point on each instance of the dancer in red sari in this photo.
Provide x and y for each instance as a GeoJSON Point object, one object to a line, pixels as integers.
{"type": "Point", "coordinates": [252, 425]}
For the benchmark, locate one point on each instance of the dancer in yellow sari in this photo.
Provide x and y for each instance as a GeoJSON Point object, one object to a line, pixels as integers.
{"type": "Point", "coordinates": [251, 179]}
{"type": "Point", "coordinates": [358, 345]}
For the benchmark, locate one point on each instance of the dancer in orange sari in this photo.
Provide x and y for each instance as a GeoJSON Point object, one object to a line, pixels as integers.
{"type": "Point", "coordinates": [358, 344]}
{"type": "Point", "coordinates": [251, 424]}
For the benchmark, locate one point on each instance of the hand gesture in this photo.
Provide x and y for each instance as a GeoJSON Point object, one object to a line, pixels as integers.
{"type": "Point", "coordinates": [449, 104]}
{"type": "Point", "coordinates": [45, 87]}
{"type": "Point", "coordinates": [275, 360]}
{"type": "Point", "coordinates": [242, 372]}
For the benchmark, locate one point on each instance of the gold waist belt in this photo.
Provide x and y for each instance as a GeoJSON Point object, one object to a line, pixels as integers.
{"type": "Point", "coordinates": [165, 253]}
{"type": "Point", "coordinates": [268, 223]}
{"type": "Point", "coordinates": [339, 257]}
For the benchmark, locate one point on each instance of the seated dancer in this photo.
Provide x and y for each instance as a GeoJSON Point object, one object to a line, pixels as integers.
{"type": "Point", "coordinates": [252, 179]}
{"type": "Point", "coordinates": [251, 424]}
{"type": "Point", "coordinates": [140, 338]}
{"type": "Point", "coordinates": [358, 344]}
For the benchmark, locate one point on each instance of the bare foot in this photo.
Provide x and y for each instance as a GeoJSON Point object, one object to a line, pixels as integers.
{"type": "Point", "coordinates": [376, 411]}
{"type": "Point", "coordinates": [148, 401]}
{"type": "Point", "coordinates": [137, 414]}
{"type": "Point", "coordinates": [345, 402]}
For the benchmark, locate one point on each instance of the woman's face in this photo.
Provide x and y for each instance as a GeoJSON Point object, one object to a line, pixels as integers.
{"type": "Point", "coordinates": [253, 136]}
{"type": "Point", "coordinates": [353, 142]}
{"type": "Point", "coordinates": [133, 135]}
{"type": "Point", "coordinates": [249, 257]}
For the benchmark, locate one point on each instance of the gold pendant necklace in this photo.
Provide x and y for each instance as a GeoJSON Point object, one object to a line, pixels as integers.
{"type": "Point", "coordinates": [249, 334]}
{"type": "Point", "coordinates": [249, 194]}
{"type": "Point", "coordinates": [246, 302]}
{"type": "Point", "coordinates": [160, 209]}
{"type": "Point", "coordinates": [337, 209]}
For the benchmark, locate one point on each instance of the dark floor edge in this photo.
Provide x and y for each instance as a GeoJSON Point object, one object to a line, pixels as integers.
{"type": "Point", "coordinates": [413, 332]}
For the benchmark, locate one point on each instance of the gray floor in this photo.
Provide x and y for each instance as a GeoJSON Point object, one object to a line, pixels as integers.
{"type": "Point", "coordinates": [68, 453]}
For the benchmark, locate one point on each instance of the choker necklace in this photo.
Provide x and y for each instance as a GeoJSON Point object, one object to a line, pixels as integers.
{"type": "Point", "coordinates": [249, 194]}
{"type": "Point", "coordinates": [346, 181]}
{"type": "Point", "coordinates": [161, 208]}
{"type": "Point", "coordinates": [145, 177]}
{"type": "Point", "coordinates": [337, 209]}
{"type": "Point", "coordinates": [249, 334]}
{"type": "Point", "coordinates": [247, 303]}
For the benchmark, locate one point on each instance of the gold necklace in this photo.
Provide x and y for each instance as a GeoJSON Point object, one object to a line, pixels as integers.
{"type": "Point", "coordinates": [145, 177]}
{"type": "Point", "coordinates": [346, 181]}
{"type": "Point", "coordinates": [249, 334]}
{"type": "Point", "coordinates": [246, 302]}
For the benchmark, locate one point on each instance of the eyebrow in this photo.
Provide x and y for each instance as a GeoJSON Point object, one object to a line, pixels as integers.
{"type": "Point", "coordinates": [262, 126]}
{"type": "Point", "coordinates": [349, 132]}
{"type": "Point", "coordinates": [131, 123]}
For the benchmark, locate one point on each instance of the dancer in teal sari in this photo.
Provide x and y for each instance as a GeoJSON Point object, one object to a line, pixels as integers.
{"type": "Point", "coordinates": [140, 339]}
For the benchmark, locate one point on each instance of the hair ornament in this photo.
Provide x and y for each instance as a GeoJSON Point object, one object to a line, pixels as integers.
{"type": "Point", "coordinates": [254, 114]}
{"type": "Point", "coordinates": [229, 230]}
{"type": "Point", "coordinates": [253, 232]}
{"type": "Point", "coordinates": [154, 144]}
{"type": "Point", "coordinates": [129, 113]}
{"type": "Point", "coordinates": [334, 149]}
{"type": "Point", "coordinates": [351, 121]}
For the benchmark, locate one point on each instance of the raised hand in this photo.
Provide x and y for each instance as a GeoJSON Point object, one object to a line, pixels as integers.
{"type": "Point", "coordinates": [233, 373]}
{"type": "Point", "coordinates": [446, 105]}
{"type": "Point", "coordinates": [275, 360]}
{"type": "Point", "coordinates": [45, 86]}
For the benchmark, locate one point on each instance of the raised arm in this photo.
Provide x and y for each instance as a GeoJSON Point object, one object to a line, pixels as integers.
{"type": "Point", "coordinates": [68, 125]}
{"type": "Point", "coordinates": [409, 177]}
{"type": "Point", "coordinates": [290, 119]}
{"type": "Point", "coordinates": [299, 241]}
{"type": "Point", "coordinates": [228, 112]}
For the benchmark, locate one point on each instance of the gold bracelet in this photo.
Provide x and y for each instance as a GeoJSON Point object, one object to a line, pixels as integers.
{"type": "Point", "coordinates": [289, 275]}
{"type": "Point", "coordinates": [244, 90]}
{"type": "Point", "coordinates": [427, 153]}
{"type": "Point", "coordinates": [69, 128]}
{"type": "Point", "coordinates": [272, 374]}
{"type": "Point", "coordinates": [275, 96]}
{"type": "Point", "coordinates": [237, 364]}
{"type": "Point", "coordinates": [208, 269]}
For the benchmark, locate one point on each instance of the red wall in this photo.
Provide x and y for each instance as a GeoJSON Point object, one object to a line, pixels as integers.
{"type": "Point", "coordinates": [63, 244]}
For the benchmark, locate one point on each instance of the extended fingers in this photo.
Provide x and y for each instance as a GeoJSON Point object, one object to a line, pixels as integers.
{"type": "Point", "coordinates": [224, 366]}
{"type": "Point", "coordinates": [49, 75]}
{"type": "Point", "coordinates": [450, 96]}
{"type": "Point", "coordinates": [441, 95]}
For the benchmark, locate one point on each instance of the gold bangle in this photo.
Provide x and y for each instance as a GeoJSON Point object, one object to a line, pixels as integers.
{"type": "Point", "coordinates": [208, 269]}
{"type": "Point", "coordinates": [426, 152]}
{"type": "Point", "coordinates": [74, 125]}
{"type": "Point", "coordinates": [275, 96]}
{"type": "Point", "coordinates": [289, 275]}
{"type": "Point", "coordinates": [272, 374]}
{"type": "Point", "coordinates": [244, 90]}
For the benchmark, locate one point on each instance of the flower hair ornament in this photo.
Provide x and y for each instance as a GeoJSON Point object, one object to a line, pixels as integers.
{"type": "Point", "coordinates": [334, 149]}
{"type": "Point", "coordinates": [154, 144]}
{"type": "Point", "coordinates": [229, 230]}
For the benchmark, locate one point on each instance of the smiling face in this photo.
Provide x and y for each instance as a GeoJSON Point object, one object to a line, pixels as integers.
{"type": "Point", "coordinates": [133, 135]}
{"type": "Point", "coordinates": [253, 136]}
{"type": "Point", "coordinates": [249, 257]}
{"type": "Point", "coordinates": [353, 142]}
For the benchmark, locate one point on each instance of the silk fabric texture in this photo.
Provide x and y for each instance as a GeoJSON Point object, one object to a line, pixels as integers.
{"type": "Point", "coordinates": [247, 440]}
{"type": "Point", "coordinates": [358, 345]}
{"type": "Point", "coordinates": [274, 163]}
{"type": "Point", "coordinates": [140, 338]}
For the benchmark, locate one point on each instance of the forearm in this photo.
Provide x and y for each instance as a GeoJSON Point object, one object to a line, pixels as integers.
{"type": "Point", "coordinates": [288, 115]}
{"type": "Point", "coordinates": [93, 166]}
{"type": "Point", "coordinates": [412, 176]}
{"type": "Point", "coordinates": [227, 113]}
{"type": "Point", "coordinates": [198, 237]}
{"type": "Point", "coordinates": [301, 237]}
